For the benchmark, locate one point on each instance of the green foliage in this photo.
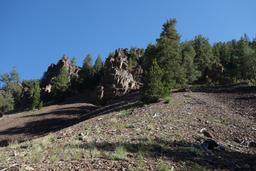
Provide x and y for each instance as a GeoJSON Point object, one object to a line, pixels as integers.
{"type": "Point", "coordinates": [6, 101]}
{"type": "Point", "coordinates": [32, 97]}
{"type": "Point", "coordinates": [11, 89]}
{"type": "Point", "coordinates": [120, 153]}
{"type": "Point", "coordinates": [188, 54]}
{"type": "Point", "coordinates": [168, 56]}
{"type": "Point", "coordinates": [134, 57]}
{"type": "Point", "coordinates": [98, 66]}
{"type": "Point", "coordinates": [164, 167]}
{"type": "Point", "coordinates": [36, 102]}
{"type": "Point", "coordinates": [162, 64]}
{"type": "Point", "coordinates": [87, 74]}
{"type": "Point", "coordinates": [87, 64]}
{"type": "Point", "coordinates": [73, 61]}
{"type": "Point", "coordinates": [153, 85]}
{"type": "Point", "coordinates": [12, 77]}
{"type": "Point", "coordinates": [61, 84]}
{"type": "Point", "coordinates": [204, 57]}
{"type": "Point", "coordinates": [237, 59]}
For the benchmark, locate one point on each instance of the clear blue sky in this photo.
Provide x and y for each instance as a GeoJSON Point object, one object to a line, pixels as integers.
{"type": "Point", "coordinates": [35, 33]}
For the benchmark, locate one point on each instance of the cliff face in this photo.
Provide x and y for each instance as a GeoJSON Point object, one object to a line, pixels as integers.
{"type": "Point", "coordinates": [54, 70]}
{"type": "Point", "coordinates": [117, 79]}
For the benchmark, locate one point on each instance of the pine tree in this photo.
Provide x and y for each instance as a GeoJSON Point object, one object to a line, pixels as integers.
{"type": "Point", "coordinates": [87, 63]}
{"type": "Point", "coordinates": [98, 65]}
{"type": "Point", "coordinates": [188, 54]}
{"type": "Point", "coordinates": [204, 58]}
{"type": "Point", "coordinates": [87, 73]}
{"type": "Point", "coordinates": [61, 84]}
{"type": "Point", "coordinates": [35, 99]}
{"type": "Point", "coordinates": [168, 56]}
{"type": "Point", "coordinates": [6, 101]}
{"type": "Point", "coordinates": [153, 88]}
{"type": "Point", "coordinates": [11, 85]}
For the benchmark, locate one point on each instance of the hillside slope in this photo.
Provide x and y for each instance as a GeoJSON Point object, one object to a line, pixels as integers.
{"type": "Point", "coordinates": [129, 136]}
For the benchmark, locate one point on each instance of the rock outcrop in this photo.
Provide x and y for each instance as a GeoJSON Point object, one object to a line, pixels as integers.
{"type": "Point", "coordinates": [117, 79]}
{"type": "Point", "coordinates": [55, 69]}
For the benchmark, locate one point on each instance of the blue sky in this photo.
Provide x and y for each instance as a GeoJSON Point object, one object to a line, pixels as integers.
{"type": "Point", "coordinates": [35, 33]}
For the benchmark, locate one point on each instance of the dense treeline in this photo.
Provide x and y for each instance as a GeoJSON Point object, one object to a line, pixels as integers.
{"type": "Point", "coordinates": [170, 63]}
{"type": "Point", "coordinates": [167, 64]}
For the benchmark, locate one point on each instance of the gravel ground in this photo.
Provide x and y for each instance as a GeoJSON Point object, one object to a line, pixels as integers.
{"type": "Point", "coordinates": [127, 135]}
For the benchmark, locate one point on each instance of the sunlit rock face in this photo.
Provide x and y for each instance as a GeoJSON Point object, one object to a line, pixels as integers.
{"type": "Point", "coordinates": [54, 70]}
{"type": "Point", "coordinates": [117, 79]}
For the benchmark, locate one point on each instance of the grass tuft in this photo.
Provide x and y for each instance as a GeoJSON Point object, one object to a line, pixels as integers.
{"type": "Point", "coordinates": [120, 153]}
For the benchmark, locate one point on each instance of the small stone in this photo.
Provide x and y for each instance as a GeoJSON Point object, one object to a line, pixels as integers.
{"type": "Point", "coordinates": [81, 134]}
{"type": "Point", "coordinates": [206, 133]}
{"type": "Point", "coordinates": [130, 126]}
{"type": "Point", "coordinates": [28, 168]}
{"type": "Point", "coordinates": [156, 114]}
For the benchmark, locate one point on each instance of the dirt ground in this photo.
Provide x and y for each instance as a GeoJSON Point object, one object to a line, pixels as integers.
{"type": "Point", "coordinates": [151, 137]}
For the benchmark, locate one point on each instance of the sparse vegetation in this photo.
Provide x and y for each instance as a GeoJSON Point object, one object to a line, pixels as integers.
{"type": "Point", "coordinates": [119, 154]}
{"type": "Point", "coordinates": [164, 167]}
{"type": "Point", "coordinates": [127, 133]}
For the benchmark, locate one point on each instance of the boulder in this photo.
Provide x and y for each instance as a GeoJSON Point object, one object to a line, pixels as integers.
{"type": "Point", "coordinates": [117, 79]}
{"type": "Point", "coordinates": [54, 70]}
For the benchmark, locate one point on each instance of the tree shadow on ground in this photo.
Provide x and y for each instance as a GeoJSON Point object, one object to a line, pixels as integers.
{"type": "Point", "coordinates": [236, 88]}
{"type": "Point", "coordinates": [180, 151]}
{"type": "Point", "coordinates": [56, 120]}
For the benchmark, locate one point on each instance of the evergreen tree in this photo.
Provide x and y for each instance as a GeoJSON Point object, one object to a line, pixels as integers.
{"type": "Point", "coordinates": [61, 84]}
{"type": "Point", "coordinates": [12, 86]}
{"type": "Point", "coordinates": [188, 54]}
{"type": "Point", "coordinates": [149, 55]}
{"type": "Point", "coordinates": [87, 64]}
{"type": "Point", "coordinates": [168, 56]}
{"type": "Point", "coordinates": [204, 56]}
{"type": "Point", "coordinates": [31, 98]}
{"type": "Point", "coordinates": [36, 102]}
{"type": "Point", "coordinates": [153, 88]}
{"type": "Point", "coordinates": [98, 66]}
{"type": "Point", "coordinates": [87, 73]}
{"type": "Point", "coordinates": [134, 58]}
{"type": "Point", "coordinates": [6, 101]}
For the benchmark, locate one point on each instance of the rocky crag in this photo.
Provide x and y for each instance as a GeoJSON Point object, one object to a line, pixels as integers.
{"type": "Point", "coordinates": [55, 69]}
{"type": "Point", "coordinates": [117, 80]}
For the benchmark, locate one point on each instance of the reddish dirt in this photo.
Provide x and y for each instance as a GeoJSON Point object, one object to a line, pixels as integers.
{"type": "Point", "coordinates": [28, 125]}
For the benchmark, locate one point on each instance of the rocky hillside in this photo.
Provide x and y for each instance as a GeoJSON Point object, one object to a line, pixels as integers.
{"type": "Point", "coordinates": [196, 131]}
